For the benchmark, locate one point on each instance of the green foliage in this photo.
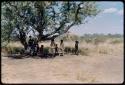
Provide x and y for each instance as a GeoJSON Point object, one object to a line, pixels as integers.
{"type": "Point", "coordinates": [116, 41]}
{"type": "Point", "coordinates": [68, 49]}
{"type": "Point", "coordinates": [48, 18]}
{"type": "Point", "coordinates": [16, 50]}
{"type": "Point", "coordinates": [13, 50]}
{"type": "Point", "coordinates": [46, 50]}
{"type": "Point", "coordinates": [71, 50]}
{"type": "Point", "coordinates": [100, 38]}
{"type": "Point", "coordinates": [91, 38]}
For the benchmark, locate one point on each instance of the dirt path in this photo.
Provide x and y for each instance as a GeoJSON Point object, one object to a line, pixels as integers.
{"type": "Point", "coordinates": [64, 69]}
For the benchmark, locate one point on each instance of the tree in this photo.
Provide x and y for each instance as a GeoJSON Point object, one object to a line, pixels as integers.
{"type": "Point", "coordinates": [48, 18]}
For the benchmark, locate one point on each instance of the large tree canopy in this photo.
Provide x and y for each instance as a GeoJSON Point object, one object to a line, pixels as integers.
{"type": "Point", "coordinates": [48, 18]}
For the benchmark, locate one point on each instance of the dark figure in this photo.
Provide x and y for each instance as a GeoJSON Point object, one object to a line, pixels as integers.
{"type": "Point", "coordinates": [56, 49]}
{"type": "Point", "coordinates": [52, 48]}
{"type": "Point", "coordinates": [30, 42]}
{"type": "Point", "coordinates": [41, 51]}
{"type": "Point", "coordinates": [61, 48]}
{"type": "Point", "coordinates": [35, 46]}
{"type": "Point", "coordinates": [30, 45]}
{"type": "Point", "coordinates": [76, 47]}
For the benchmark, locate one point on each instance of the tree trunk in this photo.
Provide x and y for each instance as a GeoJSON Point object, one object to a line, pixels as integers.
{"type": "Point", "coordinates": [22, 38]}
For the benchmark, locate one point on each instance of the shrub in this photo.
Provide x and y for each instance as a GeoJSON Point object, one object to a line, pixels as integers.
{"type": "Point", "coordinates": [13, 50]}
{"type": "Point", "coordinates": [16, 50]}
{"type": "Point", "coordinates": [84, 51]}
{"type": "Point", "coordinates": [68, 49]}
{"type": "Point", "coordinates": [99, 40]}
{"type": "Point", "coordinates": [103, 51]}
{"type": "Point", "coordinates": [88, 40]}
{"type": "Point", "coordinates": [116, 41]}
{"type": "Point", "coordinates": [8, 49]}
{"type": "Point", "coordinates": [46, 50]}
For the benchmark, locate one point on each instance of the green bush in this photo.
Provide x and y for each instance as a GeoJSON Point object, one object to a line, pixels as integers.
{"type": "Point", "coordinates": [82, 51]}
{"type": "Point", "coordinates": [68, 49]}
{"type": "Point", "coordinates": [46, 50]}
{"type": "Point", "coordinates": [13, 50]}
{"type": "Point", "coordinates": [116, 41]}
{"type": "Point", "coordinates": [8, 49]}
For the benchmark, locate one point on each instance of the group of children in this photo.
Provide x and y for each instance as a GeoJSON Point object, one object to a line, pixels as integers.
{"type": "Point", "coordinates": [54, 50]}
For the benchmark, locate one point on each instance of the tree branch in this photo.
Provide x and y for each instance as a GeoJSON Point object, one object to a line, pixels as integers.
{"type": "Point", "coordinates": [61, 26]}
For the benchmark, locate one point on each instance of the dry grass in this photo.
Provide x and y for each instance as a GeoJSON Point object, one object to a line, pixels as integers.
{"type": "Point", "coordinates": [84, 48]}
{"type": "Point", "coordinates": [14, 44]}
{"type": "Point", "coordinates": [102, 64]}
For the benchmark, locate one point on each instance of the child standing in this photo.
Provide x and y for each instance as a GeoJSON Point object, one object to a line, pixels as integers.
{"type": "Point", "coordinates": [56, 49]}
{"type": "Point", "coordinates": [52, 47]}
{"type": "Point", "coordinates": [76, 47]}
{"type": "Point", "coordinates": [61, 48]}
{"type": "Point", "coordinates": [41, 51]}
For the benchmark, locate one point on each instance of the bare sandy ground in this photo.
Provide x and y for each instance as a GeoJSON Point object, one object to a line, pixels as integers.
{"type": "Point", "coordinates": [64, 69]}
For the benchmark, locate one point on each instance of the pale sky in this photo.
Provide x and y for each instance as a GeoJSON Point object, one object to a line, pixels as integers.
{"type": "Point", "coordinates": [110, 20]}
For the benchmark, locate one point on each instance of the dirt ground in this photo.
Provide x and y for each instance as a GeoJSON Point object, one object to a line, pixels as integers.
{"type": "Point", "coordinates": [64, 69]}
